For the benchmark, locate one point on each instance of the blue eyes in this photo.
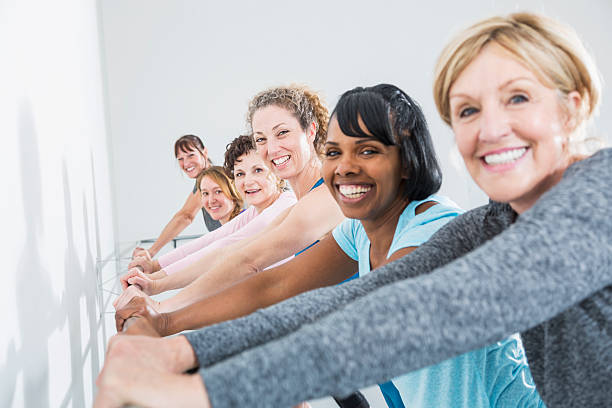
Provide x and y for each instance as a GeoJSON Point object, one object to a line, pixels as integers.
{"type": "Point", "coordinates": [262, 140]}
{"type": "Point", "coordinates": [514, 100]}
{"type": "Point", "coordinates": [518, 99]}
{"type": "Point", "coordinates": [242, 174]}
{"type": "Point", "coordinates": [467, 112]}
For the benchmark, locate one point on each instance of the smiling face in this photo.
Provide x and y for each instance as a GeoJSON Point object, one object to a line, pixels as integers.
{"type": "Point", "coordinates": [214, 201]}
{"type": "Point", "coordinates": [192, 162]}
{"type": "Point", "coordinates": [511, 130]}
{"type": "Point", "coordinates": [363, 174]}
{"type": "Point", "coordinates": [255, 181]}
{"type": "Point", "coordinates": [281, 141]}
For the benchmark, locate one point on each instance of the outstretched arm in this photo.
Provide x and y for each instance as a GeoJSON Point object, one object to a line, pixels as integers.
{"type": "Point", "coordinates": [297, 230]}
{"type": "Point", "coordinates": [324, 264]}
{"type": "Point", "coordinates": [231, 337]}
{"type": "Point", "coordinates": [245, 225]}
{"type": "Point", "coordinates": [550, 259]}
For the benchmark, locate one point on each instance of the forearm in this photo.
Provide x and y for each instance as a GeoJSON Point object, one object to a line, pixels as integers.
{"type": "Point", "coordinates": [179, 277]}
{"type": "Point", "coordinates": [236, 301]}
{"type": "Point", "coordinates": [222, 340]}
{"type": "Point", "coordinates": [188, 270]}
{"type": "Point", "coordinates": [177, 224]}
{"type": "Point", "coordinates": [221, 275]}
{"type": "Point", "coordinates": [434, 318]}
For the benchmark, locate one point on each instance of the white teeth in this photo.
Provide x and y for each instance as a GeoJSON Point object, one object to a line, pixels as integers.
{"type": "Point", "coordinates": [251, 191]}
{"type": "Point", "coordinates": [505, 157]}
{"type": "Point", "coordinates": [190, 168]}
{"type": "Point", "coordinates": [354, 191]}
{"type": "Point", "coordinates": [280, 160]}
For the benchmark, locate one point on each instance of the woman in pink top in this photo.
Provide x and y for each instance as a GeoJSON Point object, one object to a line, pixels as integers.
{"type": "Point", "coordinates": [261, 189]}
{"type": "Point", "coordinates": [192, 158]}
{"type": "Point", "coordinates": [289, 124]}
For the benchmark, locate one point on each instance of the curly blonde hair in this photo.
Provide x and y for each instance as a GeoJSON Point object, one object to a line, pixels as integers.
{"type": "Point", "coordinates": [305, 104]}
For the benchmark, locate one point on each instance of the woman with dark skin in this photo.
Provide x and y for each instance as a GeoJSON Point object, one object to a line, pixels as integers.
{"type": "Point", "coordinates": [517, 91]}
{"type": "Point", "coordinates": [380, 166]}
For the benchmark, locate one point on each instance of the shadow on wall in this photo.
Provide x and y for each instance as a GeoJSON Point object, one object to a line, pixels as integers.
{"type": "Point", "coordinates": [79, 284]}
{"type": "Point", "coordinates": [39, 313]}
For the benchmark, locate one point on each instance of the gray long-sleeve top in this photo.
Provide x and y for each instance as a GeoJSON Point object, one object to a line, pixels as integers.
{"type": "Point", "coordinates": [548, 275]}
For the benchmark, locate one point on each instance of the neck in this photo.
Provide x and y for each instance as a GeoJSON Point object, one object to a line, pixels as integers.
{"type": "Point", "coordinates": [528, 200]}
{"type": "Point", "coordinates": [303, 182]}
{"type": "Point", "coordinates": [380, 230]}
{"type": "Point", "coordinates": [226, 219]}
{"type": "Point", "coordinates": [262, 206]}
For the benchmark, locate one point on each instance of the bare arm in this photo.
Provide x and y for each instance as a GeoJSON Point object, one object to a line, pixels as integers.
{"type": "Point", "coordinates": [312, 217]}
{"type": "Point", "coordinates": [190, 273]}
{"type": "Point", "coordinates": [324, 264]}
{"type": "Point", "coordinates": [178, 223]}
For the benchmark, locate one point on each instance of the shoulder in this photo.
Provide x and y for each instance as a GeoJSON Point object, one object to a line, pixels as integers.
{"type": "Point", "coordinates": [443, 209]}
{"type": "Point", "coordinates": [595, 170]}
{"type": "Point", "coordinates": [585, 188]}
{"type": "Point", "coordinates": [476, 225]}
{"type": "Point", "coordinates": [350, 235]}
{"type": "Point", "coordinates": [287, 196]}
{"type": "Point", "coordinates": [317, 200]}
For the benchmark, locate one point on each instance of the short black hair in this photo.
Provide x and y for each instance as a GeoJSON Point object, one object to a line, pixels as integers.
{"type": "Point", "coordinates": [393, 118]}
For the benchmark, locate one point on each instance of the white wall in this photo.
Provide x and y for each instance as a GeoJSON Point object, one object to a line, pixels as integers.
{"type": "Point", "coordinates": [182, 66]}
{"type": "Point", "coordinates": [56, 206]}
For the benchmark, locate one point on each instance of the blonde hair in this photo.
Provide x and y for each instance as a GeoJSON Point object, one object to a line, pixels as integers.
{"type": "Point", "coordinates": [305, 104]}
{"type": "Point", "coordinates": [217, 174]}
{"type": "Point", "coordinates": [552, 50]}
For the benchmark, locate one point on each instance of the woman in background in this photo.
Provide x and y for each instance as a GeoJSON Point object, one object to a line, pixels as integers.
{"type": "Point", "coordinates": [380, 165]}
{"type": "Point", "coordinates": [264, 194]}
{"type": "Point", "coordinates": [192, 158]}
{"type": "Point", "coordinates": [517, 92]}
{"type": "Point", "coordinates": [289, 125]}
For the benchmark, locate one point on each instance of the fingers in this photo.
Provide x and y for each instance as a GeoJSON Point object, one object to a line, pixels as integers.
{"type": "Point", "coordinates": [137, 251]}
{"type": "Point", "coordinates": [135, 307]}
{"type": "Point", "coordinates": [119, 322]}
{"type": "Point", "coordinates": [125, 297]}
{"type": "Point", "coordinates": [106, 399]}
{"type": "Point", "coordinates": [141, 282]}
{"type": "Point", "coordinates": [134, 263]}
{"type": "Point", "coordinates": [139, 262]}
{"type": "Point", "coordinates": [124, 279]}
